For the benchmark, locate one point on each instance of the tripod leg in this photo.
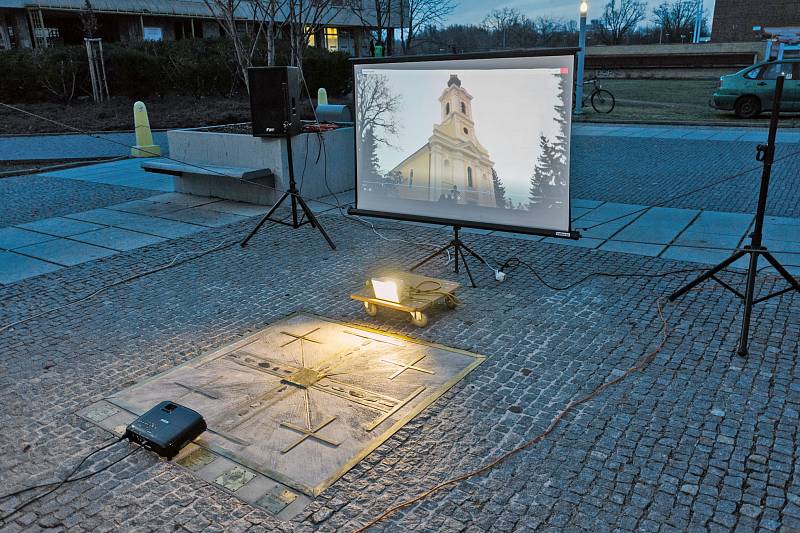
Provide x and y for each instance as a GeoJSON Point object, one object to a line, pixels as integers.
{"type": "Point", "coordinates": [457, 251]}
{"type": "Point", "coordinates": [783, 272]}
{"type": "Point", "coordinates": [431, 256]}
{"type": "Point", "coordinates": [314, 222]}
{"type": "Point", "coordinates": [466, 267]}
{"type": "Point", "coordinates": [473, 254]}
{"type": "Point", "coordinates": [263, 220]}
{"type": "Point", "coordinates": [748, 303]}
{"type": "Point", "coordinates": [706, 275]}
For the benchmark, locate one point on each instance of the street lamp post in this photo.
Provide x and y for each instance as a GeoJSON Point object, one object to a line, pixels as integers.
{"type": "Point", "coordinates": [584, 9]}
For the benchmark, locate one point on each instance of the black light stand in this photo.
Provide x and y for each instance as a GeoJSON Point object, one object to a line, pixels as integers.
{"type": "Point", "coordinates": [292, 193]}
{"type": "Point", "coordinates": [458, 250]}
{"type": "Point", "coordinates": [766, 155]}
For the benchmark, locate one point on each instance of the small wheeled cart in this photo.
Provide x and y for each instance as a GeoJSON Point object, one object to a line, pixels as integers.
{"type": "Point", "coordinates": [422, 293]}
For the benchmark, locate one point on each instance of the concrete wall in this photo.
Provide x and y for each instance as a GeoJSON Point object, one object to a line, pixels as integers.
{"type": "Point", "coordinates": [314, 163]}
{"type": "Point", "coordinates": [734, 19]}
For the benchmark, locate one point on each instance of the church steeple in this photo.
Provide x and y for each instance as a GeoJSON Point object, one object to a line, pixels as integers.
{"type": "Point", "coordinates": [456, 105]}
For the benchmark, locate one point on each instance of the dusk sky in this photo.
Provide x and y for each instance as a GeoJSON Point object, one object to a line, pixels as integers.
{"type": "Point", "coordinates": [473, 11]}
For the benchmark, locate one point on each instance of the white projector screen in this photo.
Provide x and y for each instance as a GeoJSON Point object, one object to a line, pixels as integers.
{"type": "Point", "coordinates": [479, 141]}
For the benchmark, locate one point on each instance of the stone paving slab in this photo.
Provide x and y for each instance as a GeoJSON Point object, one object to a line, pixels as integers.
{"type": "Point", "coordinates": [185, 200]}
{"type": "Point", "coordinates": [64, 252]}
{"type": "Point", "coordinates": [125, 173]}
{"type": "Point", "coordinates": [699, 239]}
{"type": "Point", "coordinates": [11, 238]}
{"type": "Point", "coordinates": [159, 227]}
{"type": "Point", "coordinates": [637, 248]}
{"type": "Point", "coordinates": [60, 226]}
{"type": "Point", "coordinates": [147, 207]}
{"type": "Point", "coordinates": [15, 267]}
{"type": "Point", "coordinates": [238, 208]}
{"type": "Point", "coordinates": [203, 217]}
{"type": "Point", "coordinates": [117, 239]}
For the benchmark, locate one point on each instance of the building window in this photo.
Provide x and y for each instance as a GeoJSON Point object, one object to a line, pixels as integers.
{"type": "Point", "coordinates": [411, 178]}
{"type": "Point", "coordinates": [463, 108]}
{"type": "Point", "coordinates": [332, 39]}
{"type": "Point", "coordinates": [312, 38]}
{"type": "Point", "coordinates": [447, 109]}
{"type": "Point", "coordinates": [469, 177]}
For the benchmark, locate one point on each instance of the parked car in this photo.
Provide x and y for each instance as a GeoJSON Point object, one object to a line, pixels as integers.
{"type": "Point", "coordinates": [750, 91]}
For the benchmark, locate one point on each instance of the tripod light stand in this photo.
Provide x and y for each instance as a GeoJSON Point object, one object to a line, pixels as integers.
{"type": "Point", "coordinates": [766, 155]}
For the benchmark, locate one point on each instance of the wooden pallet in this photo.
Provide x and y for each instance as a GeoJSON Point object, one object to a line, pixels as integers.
{"type": "Point", "coordinates": [415, 304]}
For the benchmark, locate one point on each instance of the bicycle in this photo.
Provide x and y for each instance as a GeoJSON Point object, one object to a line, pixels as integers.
{"type": "Point", "coordinates": [601, 99]}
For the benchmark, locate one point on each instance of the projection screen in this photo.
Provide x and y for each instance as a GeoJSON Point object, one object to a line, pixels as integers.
{"type": "Point", "coordinates": [475, 140]}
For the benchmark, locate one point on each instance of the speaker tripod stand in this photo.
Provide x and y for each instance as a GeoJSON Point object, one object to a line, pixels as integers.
{"type": "Point", "coordinates": [754, 250]}
{"type": "Point", "coordinates": [458, 247]}
{"type": "Point", "coordinates": [293, 195]}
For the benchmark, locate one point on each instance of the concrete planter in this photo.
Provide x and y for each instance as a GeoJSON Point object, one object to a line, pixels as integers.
{"type": "Point", "coordinates": [330, 159]}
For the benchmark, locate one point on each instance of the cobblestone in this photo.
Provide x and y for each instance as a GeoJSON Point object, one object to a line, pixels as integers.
{"type": "Point", "coordinates": [650, 453]}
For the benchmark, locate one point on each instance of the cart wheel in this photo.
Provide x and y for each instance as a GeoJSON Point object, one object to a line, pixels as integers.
{"type": "Point", "coordinates": [371, 308]}
{"type": "Point", "coordinates": [419, 319]}
{"type": "Point", "coordinates": [450, 302]}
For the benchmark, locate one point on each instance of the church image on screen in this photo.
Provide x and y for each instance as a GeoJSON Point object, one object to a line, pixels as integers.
{"type": "Point", "coordinates": [483, 141]}
{"type": "Point", "coordinates": [453, 166]}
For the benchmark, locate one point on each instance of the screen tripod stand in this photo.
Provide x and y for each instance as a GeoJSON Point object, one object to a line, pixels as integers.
{"type": "Point", "coordinates": [458, 252]}
{"type": "Point", "coordinates": [292, 194]}
{"type": "Point", "coordinates": [754, 250]}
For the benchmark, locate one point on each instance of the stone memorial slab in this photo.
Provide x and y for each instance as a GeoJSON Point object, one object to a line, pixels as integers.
{"type": "Point", "coordinates": [302, 401]}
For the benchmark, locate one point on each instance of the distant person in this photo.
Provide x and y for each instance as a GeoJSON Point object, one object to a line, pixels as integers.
{"type": "Point", "coordinates": [372, 48]}
{"type": "Point", "coordinates": [453, 49]}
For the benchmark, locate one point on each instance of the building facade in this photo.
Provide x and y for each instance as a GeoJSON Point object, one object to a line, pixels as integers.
{"type": "Point", "coordinates": [734, 19]}
{"type": "Point", "coordinates": [44, 23]}
{"type": "Point", "coordinates": [453, 165]}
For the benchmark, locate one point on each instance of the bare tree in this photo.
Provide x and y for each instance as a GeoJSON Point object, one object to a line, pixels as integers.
{"type": "Point", "coordinates": [619, 19]}
{"type": "Point", "coordinates": [89, 20]}
{"type": "Point", "coordinates": [546, 28]}
{"type": "Point", "coordinates": [502, 20]}
{"type": "Point", "coordinates": [377, 14]}
{"type": "Point", "coordinates": [418, 14]}
{"type": "Point", "coordinates": [266, 11]}
{"type": "Point", "coordinates": [305, 18]}
{"type": "Point", "coordinates": [377, 108]}
{"type": "Point", "coordinates": [676, 19]}
{"type": "Point", "coordinates": [262, 14]}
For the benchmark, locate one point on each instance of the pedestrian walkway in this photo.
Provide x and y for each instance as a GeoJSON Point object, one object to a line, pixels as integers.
{"type": "Point", "coordinates": [125, 173]}
{"type": "Point", "coordinates": [693, 133]}
{"type": "Point", "coordinates": [695, 235]}
{"type": "Point", "coordinates": [81, 146]}
{"type": "Point", "coordinates": [50, 244]}
{"type": "Point", "coordinates": [71, 146]}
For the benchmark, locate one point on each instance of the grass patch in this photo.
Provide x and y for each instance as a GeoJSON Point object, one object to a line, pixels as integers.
{"type": "Point", "coordinates": [678, 101]}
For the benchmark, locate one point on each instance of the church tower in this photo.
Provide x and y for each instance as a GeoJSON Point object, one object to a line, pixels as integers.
{"type": "Point", "coordinates": [453, 166]}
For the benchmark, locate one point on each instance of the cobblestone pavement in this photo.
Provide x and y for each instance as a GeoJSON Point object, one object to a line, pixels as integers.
{"type": "Point", "coordinates": [29, 198]}
{"type": "Point", "coordinates": [648, 171]}
{"type": "Point", "coordinates": [700, 439]}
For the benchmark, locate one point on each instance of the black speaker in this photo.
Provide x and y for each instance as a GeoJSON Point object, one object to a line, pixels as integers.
{"type": "Point", "coordinates": [274, 99]}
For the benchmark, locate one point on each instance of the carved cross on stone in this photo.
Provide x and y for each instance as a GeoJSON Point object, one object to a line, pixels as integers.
{"type": "Point", "coordinates": [409, 366]}
{"type": "Point", "coordinates": [309, 434]}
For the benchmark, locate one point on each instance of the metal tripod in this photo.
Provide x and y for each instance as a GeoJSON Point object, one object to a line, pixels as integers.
{"type": "Point", "coordinates": [766, 155]}
{"type": "Point", "coordinates": [458, 250]}
{"type": "Point", "coordinates": [292, 193]}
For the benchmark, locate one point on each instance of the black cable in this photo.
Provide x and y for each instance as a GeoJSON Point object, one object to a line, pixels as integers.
{"type": "Point", "coordinates": [515, 262]}
{"type": "Point", "coordinates": [68, 479]}
{"type": "Point", "coordinates": [104, 447]}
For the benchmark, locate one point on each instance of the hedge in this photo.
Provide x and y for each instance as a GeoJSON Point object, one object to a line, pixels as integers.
{"type": "Point", "coordinates": [196, 67]}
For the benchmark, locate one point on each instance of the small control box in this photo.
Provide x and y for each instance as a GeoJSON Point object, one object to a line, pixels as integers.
{"type": "Point", "coordinates": [166, 428]}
